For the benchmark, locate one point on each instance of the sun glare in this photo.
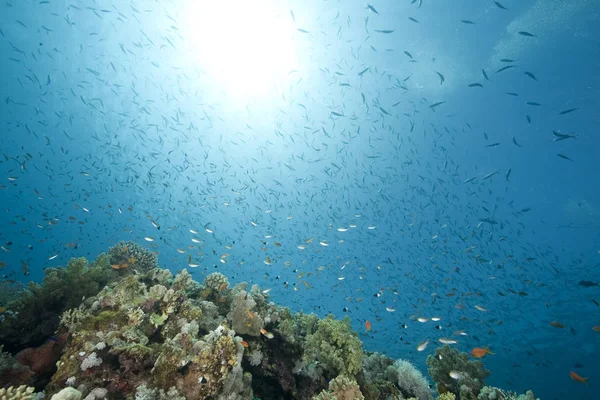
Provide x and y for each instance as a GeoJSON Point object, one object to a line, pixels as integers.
{"type": "Point", "coordinates": [246, 47]}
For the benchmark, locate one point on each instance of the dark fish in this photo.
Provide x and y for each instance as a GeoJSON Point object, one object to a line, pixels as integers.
{"type": "Point", "coordinates": [533, 103]}
{"type": "Point", "coordinates": [408, 54]}
{"type": "Point", "coordinates": [468, 22]}
{"type": "Point", "coordinates": [442, 79]}
{"type": "Point", "coordinates": [507, 60]}
{"type": "Point", "coordinates": [434, 105]}
{"type": "Point", "coordinates": [570, 110]}
{"type": "Point", "coordinates": [413, 20]}
{"type": "Point", "coordinates": [587, 284]}
{"type": "Point", "coordinates": [523, 33]}
{"type": "Point", "coordinates": [475, 85]}
{"type": "Point", "coordinates": [500, 6]}
{"type": "Point", "coordinates": [567, 158]}
{"type": "Point", "coordinates": [493, 145]}
{"type": "Point", "coordinates": [528, 119]}
{"type": "Point", "coordinates": [508, 174]}
{"type": "Point", "coordinates": [595, 302]}
{"type": "Point", "coordinates": [488, 176]}
{"type": "Point", "coordinates": [384, 111]}
{"type": "Point", "coordinates": [561, 136]}
{"type": "Point", "coordinates": [512, 94]}
{"type": "Point", "coordinates": [529, 74]}
{"type": "Point", "coordinates": [484, 74]}
{"type": "Point", "coordinates": [303, 30]}
{"type": "Point", "coordinates": [505, 68]}
{"type": "Point", "coordinates": [363, 71]}
{"type": "Point", "coordinates": [370, 7]}
{"type": "Point", "coordinates": [514, 140]}
{"type": "Point", "coordinates": [385, 31]}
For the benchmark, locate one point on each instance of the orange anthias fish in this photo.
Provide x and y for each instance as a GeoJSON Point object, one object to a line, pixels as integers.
{"type": "Point", "coordinates": [578, 378]}
{"type": "Point", "coordinates": [479, 352]}
{"type": "Point", "coordinates": [368, 326]}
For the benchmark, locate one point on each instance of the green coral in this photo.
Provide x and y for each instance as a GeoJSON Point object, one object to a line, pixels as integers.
{"type": "Point", "coordinates": [447, 396]}
{"type": "Point", "coordinates": [9, 292]}
{"type": "Point", "coordinates": [447, 359]}
{"type": "Point", "coordinates": [36, 313]}
{"type": "Point", "coordinates": [335, 346]}
{"type": "Point", "coordinates": [295, 327]}
{"type": "Point", "coordinates": [341, 388]}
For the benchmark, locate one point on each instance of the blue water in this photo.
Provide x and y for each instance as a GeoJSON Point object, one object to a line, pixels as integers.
{"type": "Point", "coordinates": [256, 125]}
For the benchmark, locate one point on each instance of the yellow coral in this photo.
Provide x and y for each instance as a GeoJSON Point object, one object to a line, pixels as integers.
{"type": "Point", "coordinates": [21, 393]}
{"type": "Point", "coordinates": [447, 396]}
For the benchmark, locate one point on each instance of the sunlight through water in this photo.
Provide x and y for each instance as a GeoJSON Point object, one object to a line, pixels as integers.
{"type": "Point", "coordinates": [246, 48]}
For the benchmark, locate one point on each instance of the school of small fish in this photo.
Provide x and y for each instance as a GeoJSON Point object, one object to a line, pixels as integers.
{"type": "Point", "coordinates": [362, 184]}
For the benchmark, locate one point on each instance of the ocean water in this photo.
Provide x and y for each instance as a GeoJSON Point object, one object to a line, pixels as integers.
{"type": "Point", "coordinates": [385, 161]}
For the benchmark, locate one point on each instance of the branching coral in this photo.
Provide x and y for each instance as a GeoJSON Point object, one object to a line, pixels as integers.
{"type": "Point", "coordinates": [472, 374]}
{"type": "Point", "coordinates": [21, 393]}
{"type": "Point", "coordinates": [335, 346]}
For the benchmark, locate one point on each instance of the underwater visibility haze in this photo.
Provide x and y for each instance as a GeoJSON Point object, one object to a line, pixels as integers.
{"type": "Point", "coordinates": [428, 169]}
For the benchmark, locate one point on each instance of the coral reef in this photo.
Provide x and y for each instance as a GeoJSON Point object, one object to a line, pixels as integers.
{"type": "Point", "coordinates": [35, 314]}
{"type": "Point", "coordinates": [335, 347]}
{"type": "Point", "coordinates": [11, 372]}
{"type": "Point", "coordinates": [128, 256]}
{"type": "Point", "coordinates": [469, 376]}
{"type": "Point", "coordinates": [9, 291]}
{"type": "Point", "coordinates": [341, 388]}
{"type": "Point", "coordinates": [149, 335]}
{"type": "Point", "coordinates": [67, 394]}
{"type": "Point", "coordinates": [410, 381]}
{"type": "Point", "coordinates": [494, 393]}
{"type": "Point", "coordinates": [447, 396]}
{"type": "Point", "coordinates": [374, 381]}
{"type": "Point", "coordinates": [143, 330]}
{"type": "Point", "coordinates": [21, 393]}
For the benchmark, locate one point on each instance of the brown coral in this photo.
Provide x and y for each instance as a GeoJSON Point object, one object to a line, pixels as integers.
{"type": "Point", "coordinates": [42, 360]}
